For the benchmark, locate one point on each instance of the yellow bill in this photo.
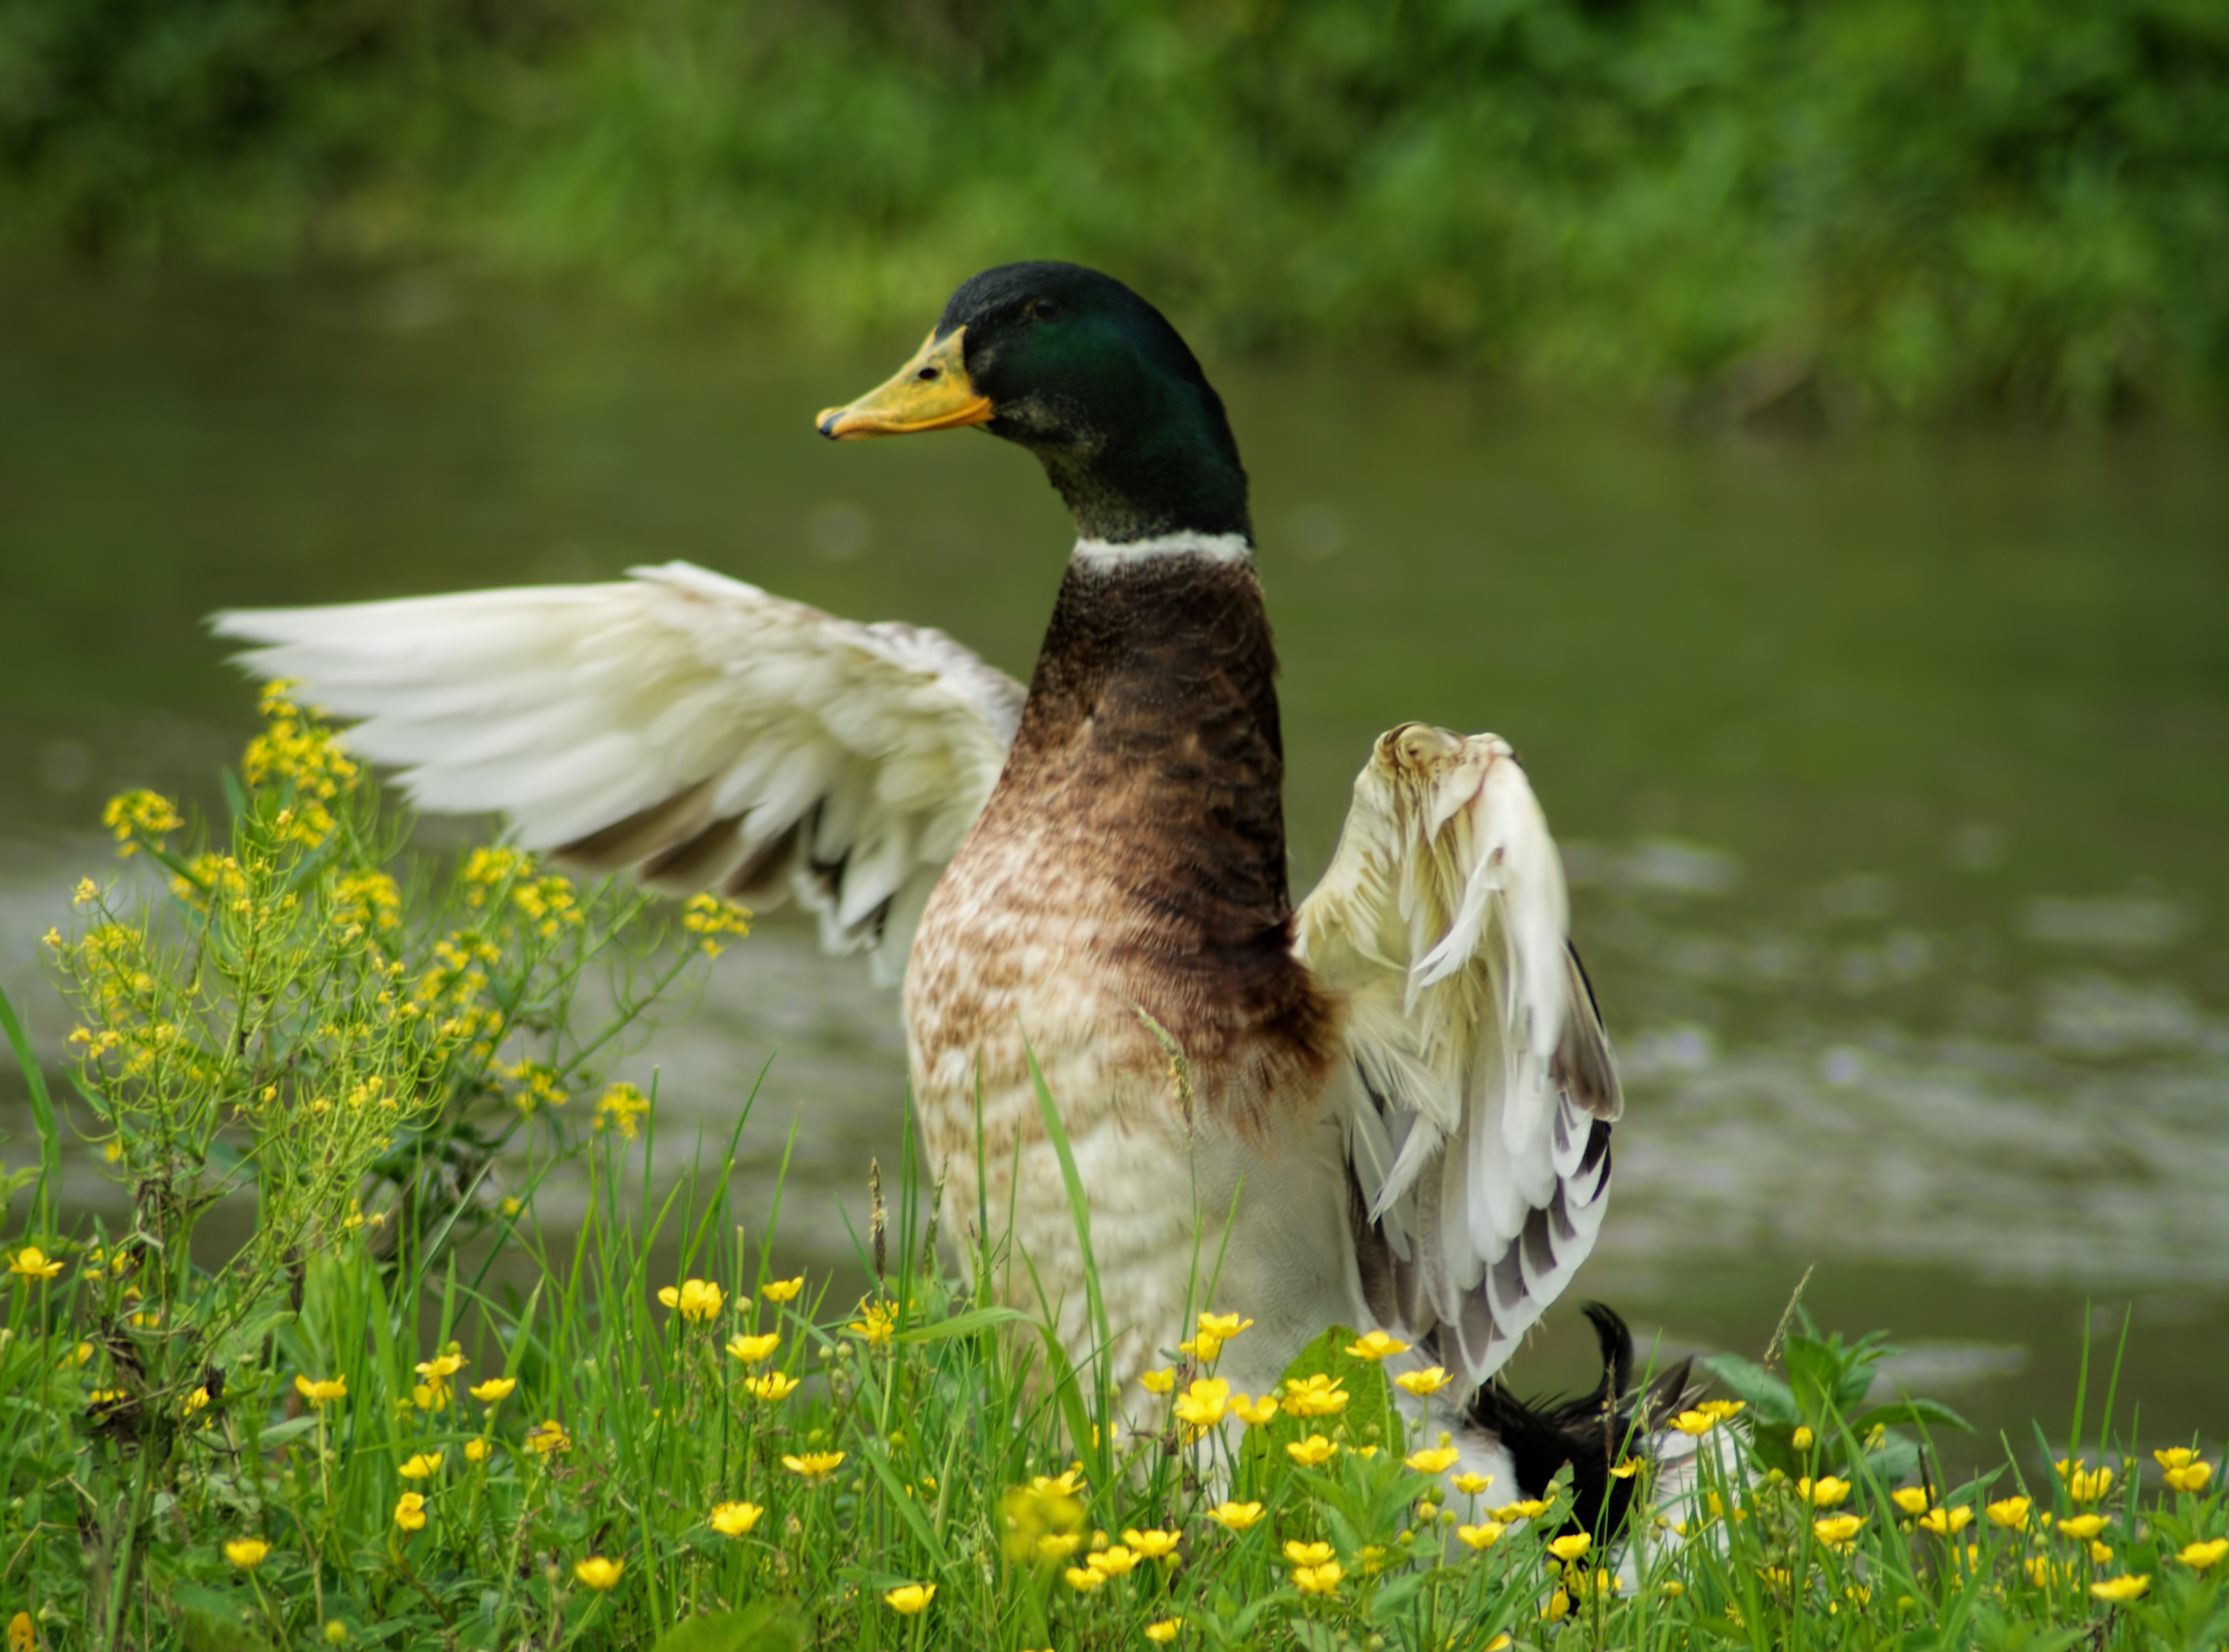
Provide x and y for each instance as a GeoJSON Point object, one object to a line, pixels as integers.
{"type": "Point", "coordinates": [930, 392]}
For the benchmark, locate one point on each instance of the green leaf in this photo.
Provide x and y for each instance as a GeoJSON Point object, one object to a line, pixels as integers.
{"type": "Point", "coordinates": [966, 1324]}
{"type": "Point", "coordinates": [1814, 1377]}
{"type": "Point", "coordinates": [214, 1620]}
{"type": "Point", "coordinates": [1751, 1382]}
{"type": "Point", "coordinates": [765, 1627]}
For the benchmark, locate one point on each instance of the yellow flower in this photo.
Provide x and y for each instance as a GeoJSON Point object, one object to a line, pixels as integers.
{"type": "Point", "coordinates": [1375, 1345]}
{"type": "Point", "coordinates": [410, 1511]}
{"type": "Point", "coordinates": [697, 1299]}
{"type": "Point", "coordinates": [1570, 1547]}
{"type": "Point", "coordinates": [1307, 1554]}
{"type": "Point", "coordinates": [1203, 1403]}
{"type": "Point", "coordinates": [1722, 1409]}
{"type": "Point", "coordinates": [1215, 1330]}
{"type": "Point", "coordinates": [620, 1106]}
{"type": "Point", "coordinates": [1235, 1517]}
{"type": "Point", "coordinates": [247, 1552]}
{"type": "Point", "coordinates": [1310, 1453]}
{"type": "Point", "coordinates": [2190, 1476]}
{"type": "Point", "coordinates": [1157, 1382]}
{"type": "Point", "coordinates": [814, 1465]}
{"type": "Point", "coordinates": [1559, 1604]}
{"type": "Point", "coordinates": [1943, 1522]}
{"type": "Point", "coordinates": [1151, 1545]}
{"type": "Point", "coordinates": [2101, 1552]}
{"type": "Point", "coordinates": [2011, 1512]}
{"type": "Point", "coordinates": [1529, 1508]}
{"type": "Point", "coordinates": [780, 1291]}
{"type": "Point", "coordinates": [1471, 1484]}
{"type": "Point", "coordinates": [876, 1321]}
{"type": "Point", "coordinates": [425, 1464]}
{"type": "Point", "coordinates": [1112, 1562]}
{"type": "Point", "coordinates": [910, 1597]}
{"type": "Point", "coordinates": [597, 1573]}
{"type": "Point", "coordinates": [2043, 1574]}
{"type": "Point", "coordinates": [1625, 1470]}
{"type": "Point", "coordinates": [1058, 1546]}
{"type": "Point", "coordinates": [1433, 1459]}
{"type": "Point", "coordinates": [1484, 1535]}
{"type": "Point", "coordinates": [33, 1263]}
{"type": "Point", "coordinates": [130, 813]}
{"type": "Point", "coordinates": [196, 1400]}
{"type": "Point", "coordinates": [2200, 1557]}
{"type": "Point", "coordinates": [771, 1386]}
{"type": "Point", "coordinates": [476, 1451]}
{"type": "Point", "coordinates": [1698, 1422]}
{"type": "Point", "coordinates": [1801, 1438]}
{"type": "Point", "coordinates": [87, 891]}
{"type": "Point", "coordinates": [2116, 1590]}
{"type": "Point", "coordinates": [2174, 1456]}
{"type": "Point", "coordinates": [318, 1391]}
{"type": "Point", "coordinates": [1913, 1500]}
{"type": "Point", "coordinates": [708, 917]}
{"type": "Point", "coordinates": [1316, 1396]}
{"type": "Point", "coordinates": [2085, 1485]}
{"type": "Point", "coordinates": [1253, 1411]}
{"type": "Point", "coordinates": [1163, 1630]}
{"type": "Point", "coordinates": [752, 1349]}
{"type": "Point", "coordinates": [1084, 1579]}
{"type": "Point", "coordinates": [494, 1389]}
{"type": "Point", "coordinates": [1430, 1380]}
{"type": "Point", "coordinates": [1499, 1643]}
{"type": "Point", "coordinates": [1318, 1580]}
{"type": "Point", "coordinates": [548, 1437]}
{"type": "Point", "coordinates": [2082, 1527]}
{"type": "Point", "coordinates": [1824, 1491]}
{"type": "Point", "coordinates": [1836, 1528]}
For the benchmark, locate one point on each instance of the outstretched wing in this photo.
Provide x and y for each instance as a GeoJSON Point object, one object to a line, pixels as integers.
{"type": "Point", "coordinates": [1479, 1090]}
{"type": "Point", "coordinates": [688, 725]}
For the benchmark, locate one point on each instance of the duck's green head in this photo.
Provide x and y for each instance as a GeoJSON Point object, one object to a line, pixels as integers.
{"type": "Point", "coordinates": [1090, 378]}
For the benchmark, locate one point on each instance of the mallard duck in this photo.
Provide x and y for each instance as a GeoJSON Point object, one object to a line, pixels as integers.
{"type": "Point", "coordinates": [1388, 1108]}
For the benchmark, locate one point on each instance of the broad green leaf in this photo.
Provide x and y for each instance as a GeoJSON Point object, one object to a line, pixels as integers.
{"type": "Point", "coordinates": [764, 1626]}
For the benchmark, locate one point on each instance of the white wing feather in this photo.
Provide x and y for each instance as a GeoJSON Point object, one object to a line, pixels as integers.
{"type": "Point", "coordinates": [1481, 1088]}
{"type": "Point", "coordinates": [687, 724]}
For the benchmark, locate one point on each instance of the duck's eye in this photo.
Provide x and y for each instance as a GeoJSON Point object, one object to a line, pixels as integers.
{"type": "Point", "coordinates": [1044, 309]}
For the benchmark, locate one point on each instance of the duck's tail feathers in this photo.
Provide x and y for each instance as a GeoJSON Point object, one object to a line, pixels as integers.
{"type": "Point", "coordinates": [1595, 1433]}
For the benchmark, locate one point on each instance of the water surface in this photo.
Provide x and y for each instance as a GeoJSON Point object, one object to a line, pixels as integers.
{"type": "Point", "coordinates": [1893, 768]}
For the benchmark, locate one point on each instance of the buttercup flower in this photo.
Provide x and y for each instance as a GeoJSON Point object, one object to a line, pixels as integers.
{"type": "Point", "coordinates": [1836, 1528]}
{"type": "Point", "coordinates": [1310, 1453]}
{"type": "Point", "coordinates": [908, 1599]}
{"type": "Point", "coordinates": [1203, 1403]}
{"type": "Point", "coordinates": [1163, 1630]}
{"type": "Point", "coordinates": [697, 1299]}
{"type": "Point", "coordinates": [1307, 1554]}
{"type": "Point", "coordinates": [814, 1465]}
{"type": "Point", "coordinates": [1251, 1411]}
{"type": "Point", "coordinates": [734, 1520]}
{"type": "Point", "coordinates": [597, 1573]}
{"type": "Point", "coordinates": [1822, 1493]}
{"type": "Point", "coordinates": [421, 1466]}
{"type": "Point", "coordinates": [2085, 1485]}
{"type": "Point", "coordinates": [1114, 1561]}
{"type": "Point", "coordinates": [548, 1437]}
{"type": "Point", "coordinates": [1151, 1546]}
{"type": "Point", "coordinates": [1430, 1380]}
{"type": "Point", "coordinates": [1157, 1382]}
{"type": "Point", "coordinates": [1471, 1484]}
{"type": "Point", "coordinates": [1697, 1422]}
{"type": "Point", "coordinates": [780, 1291]}
{"type": "Point", "coordinates": [247, 1552]}
{"type": "Point", "coordinates": [1570, 1547]}
{"type": "Point", "coordinates": [2189, 1477]}
{"type": "Point", "coordinates": [2082, 1527]}
{"type": "Point", "coordinates": [1215, 1330]}
{"type": "Point", "coordinates": [410, 1511]}
{"type": "Point", "coordinates": [771, 1386]}
{"type": "Point", "coordinates": [1913, 1500]}
{"type": "Point", "coordinates": [1316, 1396]}
{"type": "Point", "coordinates": [1529, 1508]}
{"type": "Point", "coordinates": [2118, 1589]}
{"type": "Point", "coordinates": [31, 1263]}
{"type": "Point", "coordinates": [1376, 1345]}
{"type": "Point", "coordinates": [1235, 1517]}
{"type": "Point", "coordinates": [2011, 1512]}
{"type": "Point", "coordinates": [752, 1349]}
{"type": "Point", "coordinates": [477, 1450]}
{"type": "Point", "coordinates": [2202, 1557]}
{"type": "Point", "coordinates": [1434, 1459]}
{"type": "Point", "coordinates": [1484, 1535]}
{"type": "Point", "coordinates": [1801, 1438]}
{"type": "Point", "coordinates": [1084, 1579]}
{"type": "Point", "coordinates": [1945, 1522]}
{"type": "Point", "coordinates": [1318, 1580]}
{"type": "Point", "coordinates": [493, 1389]}
{"type": "Point", "coordinates": [876, 1321]}
{"type": "Point", "coordinates": [321, 1390]}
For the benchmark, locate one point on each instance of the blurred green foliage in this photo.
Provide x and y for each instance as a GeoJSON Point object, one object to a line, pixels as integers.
{"type": "Point", "coordinates": [1909, 205]}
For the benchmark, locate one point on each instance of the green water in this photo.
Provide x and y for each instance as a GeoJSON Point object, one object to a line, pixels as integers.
{"type": "Point", "coordinates": [1894, 769]}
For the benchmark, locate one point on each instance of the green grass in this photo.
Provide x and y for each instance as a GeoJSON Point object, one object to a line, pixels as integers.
{"type": "Point", "coordinates": [406, 1413]}
{"type": "Point", "coordinates": [1905, 206]}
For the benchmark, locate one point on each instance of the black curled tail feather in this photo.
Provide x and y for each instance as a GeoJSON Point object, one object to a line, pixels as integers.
{"type": "Point", "coordinates": [1593, 1432]}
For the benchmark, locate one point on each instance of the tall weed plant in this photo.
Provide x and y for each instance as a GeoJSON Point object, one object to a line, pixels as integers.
{"type": "Point", "coordinates": [402, 1411]}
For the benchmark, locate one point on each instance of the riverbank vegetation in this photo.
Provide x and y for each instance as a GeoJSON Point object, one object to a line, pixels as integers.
{"type": "Point", "coordinates": [1870, 206]}
{"type": "Point", "coordinates": [402, 1411]}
